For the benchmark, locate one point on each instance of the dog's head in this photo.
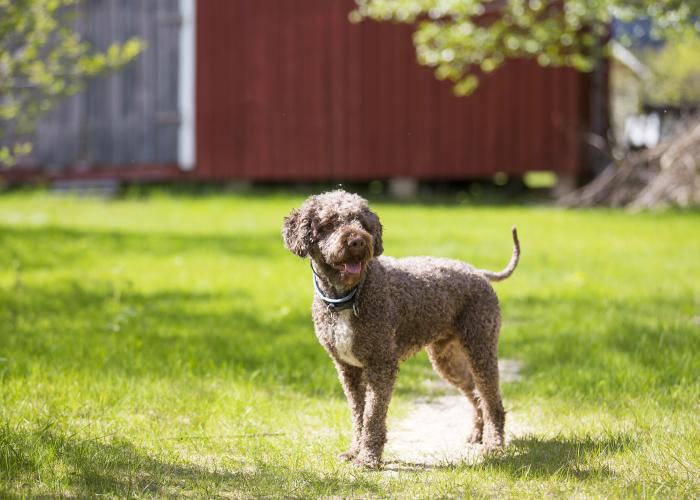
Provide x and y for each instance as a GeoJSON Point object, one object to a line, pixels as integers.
{"type": "Point", "coordinates": [340, 233]}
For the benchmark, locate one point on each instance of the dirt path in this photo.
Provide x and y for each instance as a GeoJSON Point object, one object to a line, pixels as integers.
{"type": "Point", "coordinates": [435, 431]}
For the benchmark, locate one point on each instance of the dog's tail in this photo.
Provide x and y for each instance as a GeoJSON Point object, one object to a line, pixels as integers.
{"type": "Point", "coordinates": [492, 276]}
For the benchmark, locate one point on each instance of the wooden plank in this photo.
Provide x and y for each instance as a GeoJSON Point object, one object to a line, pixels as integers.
{"type": "Point", "coordinates": [353, 112]}
{"type": "Point", "coordinates": [92, 92]}
{"type": "Point", "coordinates": [203, 92]}
{"type": "Point", "coordinates": [166, 120]}
{"type": "Point", "coordinates": [335, 78]}
{"type": "Point", "coordinates": [112, 140]}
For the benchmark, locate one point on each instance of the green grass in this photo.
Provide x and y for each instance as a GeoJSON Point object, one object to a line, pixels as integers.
{"type": "Point", "coordinates": [163, 346]}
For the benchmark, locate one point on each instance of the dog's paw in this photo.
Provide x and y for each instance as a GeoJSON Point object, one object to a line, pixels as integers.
{"type": "Point", "coordinates": [493, 447]}
{"type": "Point", "coordinates": [475, 437]}
{"type": "Point", "coordinates": [348, 456]}
{"type": "Point", "coordinates": [367, 462]}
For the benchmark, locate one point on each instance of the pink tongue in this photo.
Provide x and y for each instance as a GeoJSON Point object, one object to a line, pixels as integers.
{"type": "Point", "coordinates": [353, 267]}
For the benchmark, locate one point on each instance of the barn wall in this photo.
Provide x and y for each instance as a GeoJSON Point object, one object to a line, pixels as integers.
{"type": "Point", "coordinates": [293, 91]}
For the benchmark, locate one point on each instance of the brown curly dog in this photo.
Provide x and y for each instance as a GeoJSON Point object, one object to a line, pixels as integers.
{"type": "Point", "coordinates": [371, 313]}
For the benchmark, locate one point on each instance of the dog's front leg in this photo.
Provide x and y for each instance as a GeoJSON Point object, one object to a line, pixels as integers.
{"type": "Point", "coordinates": [380, 384]}
{"type": "Point", "coordinates": [354, 386]}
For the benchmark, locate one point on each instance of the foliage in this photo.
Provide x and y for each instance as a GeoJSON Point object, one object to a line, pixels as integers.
{"type": "Point", "coordinates": [162, 346]}
{"type": "Point", "coordinates": [675, 71]}
{"type": "Point", "coordinates": [465, 39]}
{"type": "Point", "coordinates": [42, 59]}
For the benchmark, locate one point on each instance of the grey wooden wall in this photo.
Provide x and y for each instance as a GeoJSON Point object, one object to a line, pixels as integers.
{"type": "Point", "coordinates": [128, 117]}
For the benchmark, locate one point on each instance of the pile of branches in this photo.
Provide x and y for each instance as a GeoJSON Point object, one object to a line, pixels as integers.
{"type": "Point", "coordinates": [666, 175]}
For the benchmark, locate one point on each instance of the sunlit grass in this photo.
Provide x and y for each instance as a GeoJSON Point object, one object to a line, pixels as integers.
{"type": "Point", "coordinates": [163, 346]}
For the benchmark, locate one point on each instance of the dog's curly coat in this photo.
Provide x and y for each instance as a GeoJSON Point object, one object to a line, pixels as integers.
{"type": "Point", "coordinates": [402, 305]}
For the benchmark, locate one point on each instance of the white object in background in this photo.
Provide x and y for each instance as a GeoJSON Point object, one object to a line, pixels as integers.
{"type": "Point", "coordinates": [186, 152]}
{"type": "Point", "coordinates": [652, 132]}
{"type": "Point", "coordinates": [643, 130]}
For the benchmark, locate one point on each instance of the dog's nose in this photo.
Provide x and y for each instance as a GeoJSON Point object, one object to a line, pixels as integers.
{"type": "Point", "coordinates": [356, 242]}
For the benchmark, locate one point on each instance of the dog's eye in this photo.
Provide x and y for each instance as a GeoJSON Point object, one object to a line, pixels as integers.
{"type": "Point", "coordinates": [363, 223]}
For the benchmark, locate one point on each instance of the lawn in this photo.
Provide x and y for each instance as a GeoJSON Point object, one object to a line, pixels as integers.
{"type": "Point", "coordinates": [162, 345]}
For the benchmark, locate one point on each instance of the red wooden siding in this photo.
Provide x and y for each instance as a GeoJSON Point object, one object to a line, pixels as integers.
{"type": "Point", "coordinates": [293, 91]}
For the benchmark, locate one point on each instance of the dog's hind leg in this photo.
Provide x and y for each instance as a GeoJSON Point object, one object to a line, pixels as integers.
{"type": "Point", "coordinates": [479, 337]}
{"type": "Point", "coordinates": [450, 361]}
{"type": "Point", "coordinates": [354, 386]}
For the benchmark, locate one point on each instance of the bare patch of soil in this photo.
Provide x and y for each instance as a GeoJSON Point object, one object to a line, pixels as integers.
{"type": "Point", "coordinates": [435, 431]}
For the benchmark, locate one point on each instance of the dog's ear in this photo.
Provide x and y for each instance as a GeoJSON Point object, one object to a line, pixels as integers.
{"type": "Point", "coordinates": [375, 227]}
{"type": "Point", "coordinates": [296, 233]}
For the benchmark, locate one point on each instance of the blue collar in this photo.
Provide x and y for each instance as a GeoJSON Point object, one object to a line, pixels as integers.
{"type": "Point", "coordinates": [345, 302]}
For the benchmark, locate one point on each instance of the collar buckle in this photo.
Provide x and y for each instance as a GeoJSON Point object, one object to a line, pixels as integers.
{"type": "Point", "coordinates": [334, 305]}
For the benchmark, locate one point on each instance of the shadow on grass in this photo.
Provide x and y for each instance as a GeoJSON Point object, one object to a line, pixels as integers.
{"type": "Point", "coordinates": [248, 330]}
{"type": "Point", "coordinates": [228, 332]}
{"type": "Point", "coordinates": [170, 334]}
{"type": "Point", "coordinates": [85, 468]}
{"type": "Point", "coordinates": [536, 457]}
{"type": "Point", "coordinates": [533, 456]}
{"type": "Point", "coordinates": [602, 344]}
{"type": "Point", "coordinates": [167, 334]}
{"type": "Point", "coordinates": [53, 246]}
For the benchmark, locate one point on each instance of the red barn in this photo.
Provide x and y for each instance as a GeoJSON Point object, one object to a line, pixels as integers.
{"type": "Point", "coordinates": [272, 90]}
